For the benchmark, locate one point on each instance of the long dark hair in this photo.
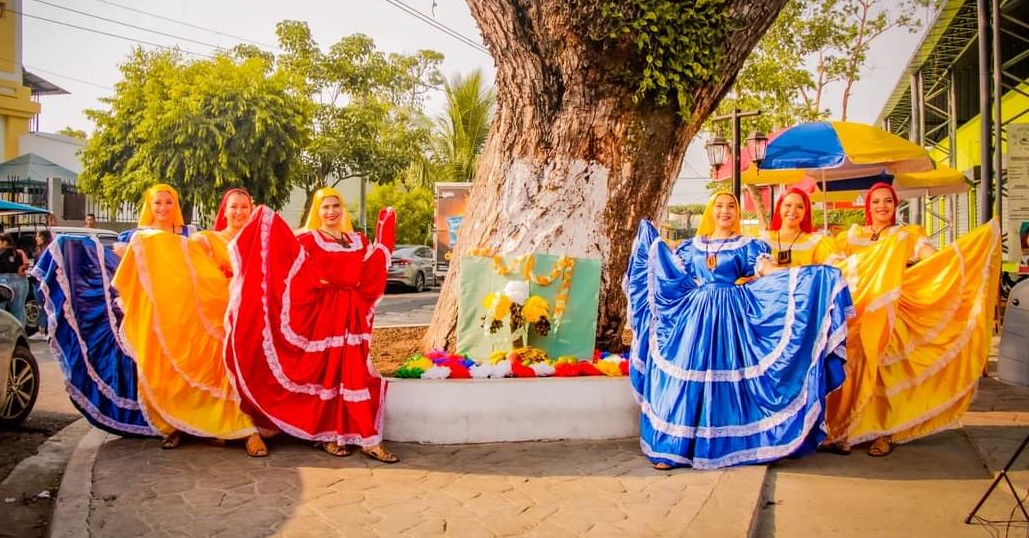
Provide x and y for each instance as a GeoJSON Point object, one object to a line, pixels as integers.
{"type": "Point", "coordinates": [47, 238]}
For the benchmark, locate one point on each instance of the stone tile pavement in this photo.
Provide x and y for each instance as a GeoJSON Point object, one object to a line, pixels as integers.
{"type": "Point", "coordinates": [129, 487]}
{"type": "Point", "coordinates": [545, 489]}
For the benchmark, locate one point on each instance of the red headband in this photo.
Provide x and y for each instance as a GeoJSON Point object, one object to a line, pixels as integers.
{"type": "Point", "coordinates": [805, 223]}
{"type": "Point", "coordinates": [868, 202]}
{"type": "Point", "coordinates": [221, 221]}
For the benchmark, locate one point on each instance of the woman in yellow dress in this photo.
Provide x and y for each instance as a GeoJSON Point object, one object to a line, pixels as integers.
{"type": "Point", "coordinates": [917, 347]}
{"type": "Point", "coordinates": [791, 234]}
{"type": "Point", "coordinates": [175, 329]}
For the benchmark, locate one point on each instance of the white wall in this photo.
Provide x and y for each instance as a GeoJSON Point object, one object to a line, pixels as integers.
{"type": "Point", "coordinates": [62, 150]}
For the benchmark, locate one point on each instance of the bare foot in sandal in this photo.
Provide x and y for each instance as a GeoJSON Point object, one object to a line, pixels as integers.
{"type": "Point", "coordinates": [172, 440]}
{"type": "Point", "coordinates": [662, 467]}
{"type": "Point", "coordinates": [333, 448]}
{"type": "Point", "coordinates": [379, 452]}
{"type": "Point", "coordinates": [256, 447]}
{"type": "Point", "coordinates": [881, 447]}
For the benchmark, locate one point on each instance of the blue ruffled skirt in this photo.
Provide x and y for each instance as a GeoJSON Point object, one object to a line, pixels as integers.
{"type": "Point", "coordinates": [74, 275]}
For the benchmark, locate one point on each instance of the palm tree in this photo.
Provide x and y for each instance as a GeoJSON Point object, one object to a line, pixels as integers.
{"type": "Point", "coordinates": [461, 130]}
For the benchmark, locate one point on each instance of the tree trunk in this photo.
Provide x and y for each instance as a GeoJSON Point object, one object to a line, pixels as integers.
{"type": "Point", "coordinates": [573, 163]}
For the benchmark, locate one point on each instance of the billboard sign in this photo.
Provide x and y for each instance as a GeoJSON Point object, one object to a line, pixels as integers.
{"type": "Point", "coordinates": [450, 208]}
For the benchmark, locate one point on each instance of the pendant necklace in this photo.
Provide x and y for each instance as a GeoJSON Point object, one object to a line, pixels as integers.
{"type": "Point", "coordinates": [785, 257]}
{"type": "Point", "coordinates": [875, 234]}
{"type": "Point", "coordinates": [342, 239]}
{"type": "Point", "coordinates": [712, 257]}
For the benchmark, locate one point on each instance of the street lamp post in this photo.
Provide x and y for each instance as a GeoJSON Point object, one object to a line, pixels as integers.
{"type": "Point", "coordinates": [717, 148]}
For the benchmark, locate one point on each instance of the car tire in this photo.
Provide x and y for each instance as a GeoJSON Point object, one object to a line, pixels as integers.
{"type": "Point", "coordinates": [419, 282]}
{"type": "Point", "coordinates": [22, 388]}
{"type": "Point", "coordinates": [32, 313]}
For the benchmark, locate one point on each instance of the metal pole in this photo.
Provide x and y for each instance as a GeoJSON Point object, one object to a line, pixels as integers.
{"type": "Point", "coordinates": [984, 207]}
{"type": "Point", "coordinates": [736, 163]}
{"type": "Point", "coordinates": [952, 157]}
{"type": "Point", "coordinates": [915, 135]}
{"type": "Point", "coordinates": [998, 120]}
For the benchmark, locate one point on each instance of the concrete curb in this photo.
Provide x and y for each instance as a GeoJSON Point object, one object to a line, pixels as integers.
{"type": "Point", "coordinates": [733, 507]}
{"type": "Point", "coordinates": [71, 512]}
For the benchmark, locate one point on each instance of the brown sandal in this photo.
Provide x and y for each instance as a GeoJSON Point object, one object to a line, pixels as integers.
{"type": "Point", "coordinates": [662, 467]}
{"type": "Point", "coordinates": [333, 448]}
{"type": "Point", "coordinates": [171, 441]}
{"type": "Point", "coordinates": [256, 447]}
{"type": "Point", "coordinates": [881, 447]}
{"type": "Point", "coordinates": [378, 452]}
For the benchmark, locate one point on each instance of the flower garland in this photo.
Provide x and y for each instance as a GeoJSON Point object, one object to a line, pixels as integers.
{"type": "Point", "coordinates": [525, 265]}
{"type": "Point", "coordinates": [527, 361]}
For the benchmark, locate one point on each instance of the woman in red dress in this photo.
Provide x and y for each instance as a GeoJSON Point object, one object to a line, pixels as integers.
{"type": "Point", "coordinates": [299, 325]}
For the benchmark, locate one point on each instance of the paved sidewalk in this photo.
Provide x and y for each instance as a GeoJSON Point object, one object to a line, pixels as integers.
{"type": "Point", "coordinates": [926, 488]}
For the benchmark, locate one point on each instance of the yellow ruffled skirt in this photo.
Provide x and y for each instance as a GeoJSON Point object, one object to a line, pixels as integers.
{"type": "Point", "coordinates": [921, 337]}
{"type": "Point", "coordinates": [174, 297]}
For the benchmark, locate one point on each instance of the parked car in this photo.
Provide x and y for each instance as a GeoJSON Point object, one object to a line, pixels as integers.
{"type": "Point", "coordinates": [25, 238]}
{"type": "Point", "coordinates": [19, 372]}
{"type": "Point", "coordinates": [411, 266]}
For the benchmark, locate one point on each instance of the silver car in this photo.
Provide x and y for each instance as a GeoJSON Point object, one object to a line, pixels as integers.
{"type": "Point", "coordinates": [411, 266]}
{"type": "Point", "coordinates": [19, 372]}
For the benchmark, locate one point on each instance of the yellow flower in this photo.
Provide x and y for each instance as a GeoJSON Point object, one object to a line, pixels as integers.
{"type": "Point", "coordinates": [535, 308]}
{"type": "Point", "coordinates": [502, 307]}
{"type": "Point", "coordinates": [488, 301]}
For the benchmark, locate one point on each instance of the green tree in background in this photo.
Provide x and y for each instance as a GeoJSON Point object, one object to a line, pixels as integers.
{"type": "Point", "coordinates": [414, 206]}
{"type": "Point", "coordinates": [201, 126]}
{"type": "Point", "coordinates": [73, 133]}
{"type": "Point", "coordinates": [367, 119]}
{"type": "Point", "coordinates": [461, 130]}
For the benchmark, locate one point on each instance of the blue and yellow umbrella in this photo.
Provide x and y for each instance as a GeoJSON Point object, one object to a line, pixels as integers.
{"type": "Point", "coordinates": [823, 152]}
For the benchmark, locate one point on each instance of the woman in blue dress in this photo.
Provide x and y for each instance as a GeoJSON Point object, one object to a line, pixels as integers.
{"type": "Point", "coordinates": [82, 310]}
{"type": "Point", "coordinates": [729, 368]}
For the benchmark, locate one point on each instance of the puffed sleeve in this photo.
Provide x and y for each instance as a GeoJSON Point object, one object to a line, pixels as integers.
{"type": "Point", "coordinates": [754, 251]}
{"type": "Point", "coordinates": [826, 251]}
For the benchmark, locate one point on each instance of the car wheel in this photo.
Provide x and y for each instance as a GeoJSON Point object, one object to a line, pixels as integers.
{"type": "Point", "coordinates": [419, 281]}
{"type": "Point", "coordinates": [32, 313]}
{"type": "Point", "coordinates": [22, 388]}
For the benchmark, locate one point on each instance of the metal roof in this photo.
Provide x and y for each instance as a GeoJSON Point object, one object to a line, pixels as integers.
{"type": "Point", "coordinates": [39, 85]}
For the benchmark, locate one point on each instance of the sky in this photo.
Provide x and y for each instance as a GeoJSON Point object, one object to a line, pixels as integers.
{"type": "Point", "coordinates": [78, 45]}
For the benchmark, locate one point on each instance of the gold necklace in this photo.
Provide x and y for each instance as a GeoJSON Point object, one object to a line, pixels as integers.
{"type": "Point", "coordinates": [875, 234]}
{"type": "Point", "coordinates": [712, 257]}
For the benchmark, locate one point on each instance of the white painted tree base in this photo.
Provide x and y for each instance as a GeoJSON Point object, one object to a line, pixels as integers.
{"type": "Point", "coordinates": [454, 411]}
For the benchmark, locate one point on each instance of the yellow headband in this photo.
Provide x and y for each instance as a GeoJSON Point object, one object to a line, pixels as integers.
{"type": "Point", "coordinates": [314, 222]}
{"type": "Point", "coordinates": [707, 222]}
{"type": "Point", "coordinates": [146, 218]}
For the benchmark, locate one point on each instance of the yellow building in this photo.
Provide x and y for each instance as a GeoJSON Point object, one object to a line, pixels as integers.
{"type": "Point", "coordinates": [17, 109]}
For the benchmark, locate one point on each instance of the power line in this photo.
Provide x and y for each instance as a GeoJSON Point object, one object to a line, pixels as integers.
{"type": "Point", "coordinates": [184, 23]}
{"type": "Point", "coordinates": [127, 25]}
{"type": "Point", "coordinates": [117, 36]}
{"type": "Point", "coordinates": [437, 25]}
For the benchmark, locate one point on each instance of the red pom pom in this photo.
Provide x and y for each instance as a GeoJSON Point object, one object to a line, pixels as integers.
{"type": "Point", "coordinates": [624, 367]}
{"type": "Point", "coordinates": [458, 370]}
{"type": "Point", "coordinates": [596, 355]}
{"type": "Point", "coordinates": [566, 369]}
{"type": "Point", "coordinates": [587, 368]}
{"type": "Point", "coordinates": [521, 370]}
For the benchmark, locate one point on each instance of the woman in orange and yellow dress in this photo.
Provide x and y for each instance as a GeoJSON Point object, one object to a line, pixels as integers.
{"type": "Point", "coordinates": [791, 234]}
{"type": "Point", "coordinates": [917, 347]}
{"type": "Point", "coordinates": [175, 329]}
